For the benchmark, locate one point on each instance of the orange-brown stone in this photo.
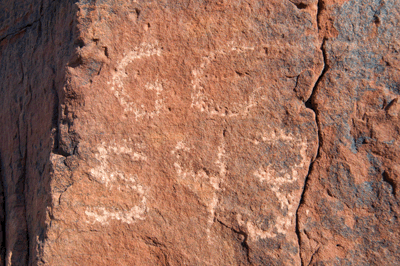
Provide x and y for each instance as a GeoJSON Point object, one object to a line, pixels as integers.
{"type": "Point", "coordinates": [199, 132]}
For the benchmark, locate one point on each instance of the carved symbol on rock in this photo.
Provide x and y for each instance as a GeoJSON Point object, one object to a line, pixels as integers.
{"type": "Point", "coordinates": [209, 104]}
{"type": "Point", "coordinates": [195, 179]}
{"type": "Point", "coordinates": [117, 181]}
{"type": "Point", "coordinates": [277, 180]}
{"type": "Point", "coordinates": [122, 93]}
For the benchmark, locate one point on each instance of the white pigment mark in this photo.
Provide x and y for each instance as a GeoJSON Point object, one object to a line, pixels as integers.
{"type": "Point", "coordinates": [107, 172]}
{"type": "Point", "coordinates": [277, 180]}
{"type": "Point", "coordinates": [192, 179]}
{"type": "Point", "coordinates": [104, 216]}
{"type": "Point", "coordinates": [145, 50]}
{"type": "Point", "coordinates": [200, 99]}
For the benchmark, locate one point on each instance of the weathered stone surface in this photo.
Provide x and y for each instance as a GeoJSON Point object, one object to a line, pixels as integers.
{"type": "Point", "coordinates": [36, 41]}
{"type": "Point", "coordinates": [350, 209]}
{"type": "Point", "coordinates": [184, 132]}
{"type": "Point", "coordinates": [193, 142]}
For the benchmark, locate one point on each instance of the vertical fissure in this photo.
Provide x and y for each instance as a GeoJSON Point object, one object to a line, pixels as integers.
{"type": "Point", "coordinates": [15, 197]}
{"type": "Point", "coordinates": [310, 104]}
{"type": "Point", "coordinates": [2, 217]}
{"type": "Point", "coordinates": [25, 195]}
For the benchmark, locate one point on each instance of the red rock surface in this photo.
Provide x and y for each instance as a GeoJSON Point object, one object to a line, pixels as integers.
{"type": "Point", "coordinates": [199, 132]}
{"type": "Point", "coordinates": [349, 213]}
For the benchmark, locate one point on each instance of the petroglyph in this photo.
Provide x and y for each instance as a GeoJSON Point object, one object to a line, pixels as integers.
{"type": "Point", "coordinates": [239, 48]}
{"type": "Point", "coordinates": [104, 216]}
{"type": "Point", "coordinates": [145, 50]}
{"type": "Point", "coordinates": [202, 101]}
{"type": "Point", "coordinates": [277, 180]}
{"type": "Point", "coordinates": [106, 172]}
{"type": "Point", "coordinates": [253, 230]}
{"type": "Point", "coordinates": [203, 184]}
{"type": "Point", "coordinates": [116, 180]}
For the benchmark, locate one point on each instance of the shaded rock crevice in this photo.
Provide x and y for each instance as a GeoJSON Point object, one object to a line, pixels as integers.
{"type": "Point", "coordinates": [310, 104]}
{"type": "Point", "coordinates": [312, 256]}
{"type": "Point", "coordinates": [24, 195]}
{"type": "Point", "coordinates": [33, 57]}
{"type": "Point", "coordinates": [2, 217]}
{"type": "Point", "coordinates": [244, 242]}
{"type": "Point", "coordinates": [21, 29]}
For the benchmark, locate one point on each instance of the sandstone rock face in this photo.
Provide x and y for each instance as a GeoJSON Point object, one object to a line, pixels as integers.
{"type": "Point", "coordinates": [350, 210]}
{"type": "Point", "coordinates": [200, 132]}
{"type": "Point", "coordinates": [36, 42]}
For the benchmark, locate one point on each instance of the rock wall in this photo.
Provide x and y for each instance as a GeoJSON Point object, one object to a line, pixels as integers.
{"type": "Point", "coordinates": [37, 38]}
{"type": "Point", "coordinates": [349, 212]}
{"type": "Point", "coordinates": [200, 132]}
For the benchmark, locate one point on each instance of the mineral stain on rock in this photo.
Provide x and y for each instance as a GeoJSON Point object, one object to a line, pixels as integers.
{"type": "Point", "coordinates": [199, 132]}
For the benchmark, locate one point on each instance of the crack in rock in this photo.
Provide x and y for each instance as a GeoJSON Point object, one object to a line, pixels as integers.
{"type": "Point", "coordinates": [311, 105]}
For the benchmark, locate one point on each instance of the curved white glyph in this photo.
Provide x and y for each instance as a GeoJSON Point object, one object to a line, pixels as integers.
{"type": "Point", "coordinates": [207, 105]}
{"type": "Point", "coordinates": [277, 180]}
{"type": "Point", "coordinates": [145, 50]}
{"type": "Point", "coordinates": [116, 180]}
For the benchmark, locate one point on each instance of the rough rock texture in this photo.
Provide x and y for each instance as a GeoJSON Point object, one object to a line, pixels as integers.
{"type": "Point", "coordinates": [36, 41]}
{"type": "Point", "coordinates": [200, 132]}
{"type": "Point", "coordinates": [350, 210]}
